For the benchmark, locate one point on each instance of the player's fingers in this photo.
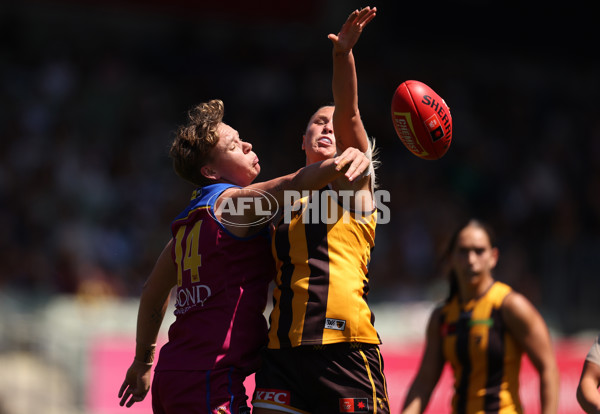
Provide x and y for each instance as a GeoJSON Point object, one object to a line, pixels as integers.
{"type": "Point", "coordinates": [341, 163]}
{"type": "Point", "coordinates": [350, 173]}
{"type": "Point", "coordinates": [345, 157]}
{"type": "Point", "coordinates": [136, 397]}
{"type": "Point", "coordinates": [368, 18]}
{"type": "Point", "coordinates": [133, 400]}
{"type": "Point", "coordinates": [353, 16]}
{"type": "Point", "coordinates": [359, 166]}
{"type": "Point", "coordinates": [337, 160]}
{"type": "Point", "coordinates": [363, 12]}
{"type": "Point", "coordinates": [366, 15]}
{"type": "Point", "coordinates": [123, 388]}
{"type": "Point", "coordinates": [124, 398]}
{"type": "Point", "coordinates": [363, 168]}
{"type": "Point", "coordinates": [130, 402]}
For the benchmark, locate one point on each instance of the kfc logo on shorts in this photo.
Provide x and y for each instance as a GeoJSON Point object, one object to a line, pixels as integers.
{"type": "Point", "coordinates": [354, 405]}
{"type": "Point", "coordinates": [278, 396]}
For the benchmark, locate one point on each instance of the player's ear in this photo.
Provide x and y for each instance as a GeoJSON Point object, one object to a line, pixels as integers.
{"type": "Point", "coordinates": [303, 138]}
{"type": "Point", "coordinates": [209, 173]}
{"type": "Point", "coordinates": [495, 255]}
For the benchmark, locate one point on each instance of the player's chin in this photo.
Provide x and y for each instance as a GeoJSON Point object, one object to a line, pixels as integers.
{"type": "Point", "coordinates": [255, 171]}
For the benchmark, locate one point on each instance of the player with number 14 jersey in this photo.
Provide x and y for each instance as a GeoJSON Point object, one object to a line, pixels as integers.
{"type": "Point", "coordinates": [217, 306]}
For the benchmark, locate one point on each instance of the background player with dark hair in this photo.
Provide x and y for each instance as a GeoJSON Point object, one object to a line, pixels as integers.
{"type": "Point", "coordinates": [482, 330]}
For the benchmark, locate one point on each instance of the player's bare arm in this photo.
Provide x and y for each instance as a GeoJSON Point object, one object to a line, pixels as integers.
{"type": "Point", "coordinates": [529, 329]}
{"type": "Point", "coordinates": [587, 390]}
{"type": "Point", "coordinates": [150, 316]}
{"type": "Point", "coordinates": [348, 126]}
{"type": "Point", "coordinates": [430, 370]}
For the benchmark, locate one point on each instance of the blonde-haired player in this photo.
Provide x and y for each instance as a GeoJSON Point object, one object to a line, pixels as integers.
{"type": "Point", "coordinates": [323, 353]}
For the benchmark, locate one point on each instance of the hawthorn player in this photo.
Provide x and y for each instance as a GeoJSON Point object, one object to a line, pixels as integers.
{"type": "Point", "coordinates": [482, 330]}
{"type": "Point", "coordinates": [323, 354]}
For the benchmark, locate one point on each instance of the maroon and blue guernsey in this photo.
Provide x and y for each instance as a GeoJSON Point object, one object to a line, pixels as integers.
{"type": "Point", "coordinates": [222, 290]}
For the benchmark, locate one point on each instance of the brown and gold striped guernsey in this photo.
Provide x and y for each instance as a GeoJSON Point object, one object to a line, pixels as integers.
{"type": "Point", "coordinates": [485, 358]}
{"type": "Point", "coordinates": [322, 282]}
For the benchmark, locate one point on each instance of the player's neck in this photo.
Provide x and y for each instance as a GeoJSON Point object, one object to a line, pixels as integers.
{"type": "Point", "coordinates": [475, 291]}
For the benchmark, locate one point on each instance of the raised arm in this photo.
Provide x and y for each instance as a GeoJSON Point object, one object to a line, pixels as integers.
{"type": "Point", "coordinates": [529, 329]}
{"type": "Point", "coordinates": [429, 372]}
{"type": "Point", "coordinates": [347, 124]}
{"type": "Point", "coordinates": [153, 305]}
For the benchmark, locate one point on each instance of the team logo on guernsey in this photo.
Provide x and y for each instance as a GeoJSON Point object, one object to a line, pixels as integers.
{"type": "Point", "coordinates": [336, 324]}
{"type": "Point", "coordinates": [260, 204]}
{"type": "Point", "coordinates": [354, 405]}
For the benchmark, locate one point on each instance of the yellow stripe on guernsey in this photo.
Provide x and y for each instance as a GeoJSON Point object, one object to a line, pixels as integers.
{"type": "Point", "coordinates": [322, 278]}
{"type": "Point", "coordinates": [301, 278]}
{"type": "Point", "coordinates": [484, 356]}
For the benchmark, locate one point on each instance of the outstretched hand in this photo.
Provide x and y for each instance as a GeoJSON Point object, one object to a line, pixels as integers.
{"type": "Point", "coordinates": [345, 40]}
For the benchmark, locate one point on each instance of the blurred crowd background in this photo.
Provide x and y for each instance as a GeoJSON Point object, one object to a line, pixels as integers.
{"type": "Point", "coordinates": [91, 92]}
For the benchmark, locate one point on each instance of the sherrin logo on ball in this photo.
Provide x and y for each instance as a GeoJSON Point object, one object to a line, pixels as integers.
{"type": "Point", "coordinates": [422, 120]}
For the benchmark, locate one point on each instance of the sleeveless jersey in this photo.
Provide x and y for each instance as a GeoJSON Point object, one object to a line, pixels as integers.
{"type": "Point", "coordinates": [222, 290]}
{"type": "Point", "coordinates": [484, 357]}
{"type": "Point", "coordinates": [322, 282]}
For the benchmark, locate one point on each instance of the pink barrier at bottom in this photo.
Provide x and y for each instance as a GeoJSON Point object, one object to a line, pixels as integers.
{"type": "Point", "coordinates": [402, 363]}
{"type": "Point", "coordinates": [109, 359]}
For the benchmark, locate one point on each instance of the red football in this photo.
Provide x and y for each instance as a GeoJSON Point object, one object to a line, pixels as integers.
{"type": "Point", "coordinates": [422, 120]}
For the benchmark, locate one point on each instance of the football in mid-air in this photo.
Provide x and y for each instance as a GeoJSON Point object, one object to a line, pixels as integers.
{"type": "Point", "coordinates": [422, 120]}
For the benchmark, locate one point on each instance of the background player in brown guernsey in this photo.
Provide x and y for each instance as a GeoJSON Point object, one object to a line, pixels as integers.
{"type": "Point", "coordinates": [482, 329]}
